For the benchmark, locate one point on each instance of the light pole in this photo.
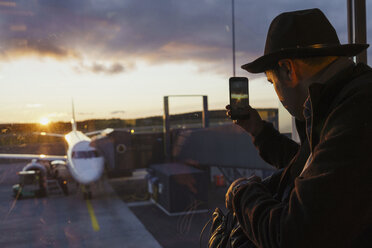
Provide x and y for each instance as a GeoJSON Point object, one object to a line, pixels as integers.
{"type": "Point", "coordinates": [233, 34]}
{"type": "Point", "coordinates": [357, 26]}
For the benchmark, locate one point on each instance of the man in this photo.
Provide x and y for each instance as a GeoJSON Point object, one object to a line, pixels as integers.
{"type": "Point", "coordinates": [322, 196]}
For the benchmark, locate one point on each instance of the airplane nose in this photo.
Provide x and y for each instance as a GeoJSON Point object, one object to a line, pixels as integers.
{"type": "Point", "coordinates": [89, 170]}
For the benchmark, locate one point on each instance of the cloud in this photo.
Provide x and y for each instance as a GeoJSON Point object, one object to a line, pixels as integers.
{"type": "Point", "coordinates": [118, 112]}
{"type": "Point", "coordinates": [22, 47]}
{"type": "Point", "coordinates": [118, 30]}
{"type": "Point", "coordinates": [111, 69]}
{"type": "Point", "coordinates": [157, 31]}
{"type": "Point", "coordinates": [33, 105]}
{"type": "Point", "coordinates": [85, 113]}
{"type": "Point", "coordinates": [101, 68]}
{"type": "Point", "coordinates": [57, 114]}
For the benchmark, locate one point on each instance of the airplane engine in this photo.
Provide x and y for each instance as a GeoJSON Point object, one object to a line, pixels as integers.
{"type": "Point", "coordinates": [34, 165]}
{"type": "Point", "coordinates": [42, 180]}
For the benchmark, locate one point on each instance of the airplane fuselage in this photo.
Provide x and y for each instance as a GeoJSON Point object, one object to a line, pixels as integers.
{"type": "Point", "coordinates": [84, 162]}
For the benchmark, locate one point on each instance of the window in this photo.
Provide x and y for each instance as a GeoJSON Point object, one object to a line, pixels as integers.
{"type": "Point", "coordinates": [118, 60]}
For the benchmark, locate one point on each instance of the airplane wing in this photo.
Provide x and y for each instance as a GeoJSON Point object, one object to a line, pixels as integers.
{"type": "Point", "coordinates": [50, 134]}
{"type": "Point", "coordinates": [33, 156]}
{"type": "Point", "coordinates": [104, 131]}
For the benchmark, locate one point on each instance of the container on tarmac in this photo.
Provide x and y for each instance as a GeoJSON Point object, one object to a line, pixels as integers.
{"type": "Point", "coordinates": [31, 184]}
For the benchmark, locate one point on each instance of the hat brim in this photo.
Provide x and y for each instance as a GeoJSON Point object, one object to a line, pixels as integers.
{"type": "Point", "coordinates": [268, 61]}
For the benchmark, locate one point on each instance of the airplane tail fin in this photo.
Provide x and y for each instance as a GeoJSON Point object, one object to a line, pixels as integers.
{"type": "Point", "coordinates": [73, 121]}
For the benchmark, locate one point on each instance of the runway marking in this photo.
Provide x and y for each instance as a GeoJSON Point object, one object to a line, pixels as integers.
{"type": "Point", "coordinates": [93, 218]}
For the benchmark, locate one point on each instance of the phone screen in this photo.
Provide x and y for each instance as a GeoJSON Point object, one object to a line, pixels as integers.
{"type": "Point", "coordinates": [239, 98]}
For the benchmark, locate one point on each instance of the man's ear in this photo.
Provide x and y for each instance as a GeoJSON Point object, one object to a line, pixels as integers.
{"type": "Point", "coordinates": [287, 72]}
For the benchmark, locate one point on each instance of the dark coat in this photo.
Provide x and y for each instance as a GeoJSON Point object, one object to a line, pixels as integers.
{"type": "Point", "coordinates": [330, 203]}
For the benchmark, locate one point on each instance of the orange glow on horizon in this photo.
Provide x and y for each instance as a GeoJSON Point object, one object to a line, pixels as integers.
{"type": "Point", "coordinates": [44, 121]}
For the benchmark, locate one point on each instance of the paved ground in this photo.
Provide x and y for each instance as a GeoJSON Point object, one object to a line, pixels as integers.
{"type": "Point", "coordinates": [67, 221]}
{"type": "Point", "coordinates": [170, 231]}
{"type": "Point", "coordinates": [177, 231]}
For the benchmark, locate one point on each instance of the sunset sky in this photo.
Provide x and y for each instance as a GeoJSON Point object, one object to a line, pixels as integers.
{"type": "Point", "coordinates": [118, 58]}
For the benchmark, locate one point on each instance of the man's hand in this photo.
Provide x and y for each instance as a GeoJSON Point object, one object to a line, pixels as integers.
{"type": "Point", "coordinates": [230, 194]}
{"type": "Point", "coordinates": [253, 125]}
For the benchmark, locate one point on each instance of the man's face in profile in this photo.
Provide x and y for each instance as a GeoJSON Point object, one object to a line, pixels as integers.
{"type": "Point", "coordinates": [288, 94]}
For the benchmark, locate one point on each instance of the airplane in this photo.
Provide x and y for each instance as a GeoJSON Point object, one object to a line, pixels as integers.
{"type": "Point", "coordinates": [84, 162]}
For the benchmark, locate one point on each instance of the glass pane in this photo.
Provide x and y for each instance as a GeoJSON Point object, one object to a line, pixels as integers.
{"type": "Point", "coordinates": [108, 65]}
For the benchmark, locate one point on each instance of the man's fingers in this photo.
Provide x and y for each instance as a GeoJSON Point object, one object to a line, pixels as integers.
{"type": "Point", "coordinates": [229, 194]}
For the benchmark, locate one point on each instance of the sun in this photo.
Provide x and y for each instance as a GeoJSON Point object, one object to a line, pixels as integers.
{"type": "Point", "coordinates": [44, 121]}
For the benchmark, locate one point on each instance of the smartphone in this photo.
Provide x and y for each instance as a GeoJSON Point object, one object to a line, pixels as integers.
{"type": "Point", "coordinates": [239, 97]}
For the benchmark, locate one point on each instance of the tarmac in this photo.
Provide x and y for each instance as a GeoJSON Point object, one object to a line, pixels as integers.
{"type": "Point", "coordinates": [68, 221]}
{"type": "Point", "coordinates": [178, 231]}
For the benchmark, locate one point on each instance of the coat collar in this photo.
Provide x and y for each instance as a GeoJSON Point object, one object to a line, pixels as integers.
{"type": "Point", "coordinates": [322, 94]}
{"type": "Point", "coordinates": [326, 83]}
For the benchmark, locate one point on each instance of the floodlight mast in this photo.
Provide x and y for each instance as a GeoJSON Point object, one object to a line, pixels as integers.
{"type": "Point", "coordinates": [166, 122]}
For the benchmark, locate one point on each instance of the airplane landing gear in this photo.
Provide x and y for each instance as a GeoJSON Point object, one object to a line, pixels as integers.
{"type": "Point", "coordinates": [87, 194]}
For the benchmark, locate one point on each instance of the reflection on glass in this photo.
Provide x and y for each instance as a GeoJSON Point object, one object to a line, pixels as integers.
{"type": "Point", "coordinates": [118, 59]}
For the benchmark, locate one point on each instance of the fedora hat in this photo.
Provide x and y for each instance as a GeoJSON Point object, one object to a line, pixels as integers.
{"type": "Point", "coordinates": [301, 34]}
